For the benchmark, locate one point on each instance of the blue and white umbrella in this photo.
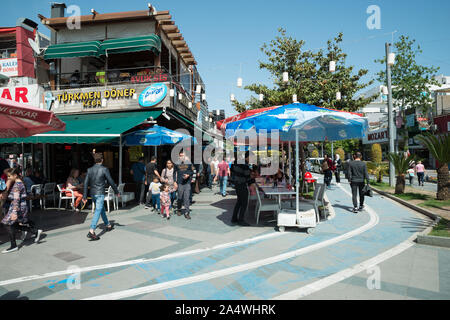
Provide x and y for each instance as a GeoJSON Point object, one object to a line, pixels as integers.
{"type": "Point", "coordinates": [312, 123]}
{"type": "Point", "coordinates": [301, 123]}
{"type": "Point", "coordinates": [156, 136]}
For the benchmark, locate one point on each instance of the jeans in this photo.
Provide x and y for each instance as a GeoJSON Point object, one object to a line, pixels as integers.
{"type": "Point", "coordinates": [223, 185]}
{"type": "Point", "coordinates": [337, 174]}
{"type": "Point", "coordinates": [357, 187]}
{"type": "Point", "coordinates": [328, 177]}
{"type": "Point", "coordinates": [420, 176]}
{"type": "Point", "coordinates": [210, 180]}
{"type": "Point", "coordinates": [184, 192]}
{"type": "Point", "coordinates": [173, 197]}
{"type": "Point", "coordinates": [140, 192]}
{"type": "Point", "coordinates": [156, 201]}
{"type": "Point", "coordinates": [241, 204]}
{"type": "Point", "coordinates": [99, 201]}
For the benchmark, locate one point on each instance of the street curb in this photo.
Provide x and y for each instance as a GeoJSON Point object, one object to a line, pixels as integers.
{"type": "Point", "coordinates": [423, 211]}
{"type": "Point", "coordinates": [433, 241]}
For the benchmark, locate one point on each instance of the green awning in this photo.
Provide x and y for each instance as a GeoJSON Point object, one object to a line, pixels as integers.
{"type": "Point", "coordinates": [134, 44]}
{"type": "Point", "coordinates": [72, 50]}
{"type": "Point", "coordinates": [90, 128]}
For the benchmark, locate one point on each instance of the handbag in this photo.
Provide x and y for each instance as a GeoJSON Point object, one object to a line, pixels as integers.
{"type": "Point", "coordinates": [367, 190]}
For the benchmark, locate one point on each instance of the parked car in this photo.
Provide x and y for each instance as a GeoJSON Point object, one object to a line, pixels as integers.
{"type": "Point", "coordinates": [316, 164]}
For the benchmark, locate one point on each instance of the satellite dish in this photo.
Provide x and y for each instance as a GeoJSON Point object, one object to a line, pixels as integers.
{"type": "Point", "coordinates": [34, 46]}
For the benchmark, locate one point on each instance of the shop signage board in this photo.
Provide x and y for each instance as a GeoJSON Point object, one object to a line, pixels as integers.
{"type": "Point", "coordinates": [9, 67]}
{"type": "Point", "coordinates": [163, 77]}
{"type": "Point", "coordinates": [153, 95]}
{"type": "Point", "coordinates": [30, 94]}
{"type": "Point", "coordinates": [100, 99]}
{"type": "Point", "coordinates": [378, 136]}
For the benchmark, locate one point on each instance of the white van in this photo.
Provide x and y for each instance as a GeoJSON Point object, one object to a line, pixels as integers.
{"type": "Point", "coordinates": [316, 164]}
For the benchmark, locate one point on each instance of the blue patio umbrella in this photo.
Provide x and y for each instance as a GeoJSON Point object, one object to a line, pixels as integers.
{"type": "Point", "coordinates": [311, 122]}
{"type": "Point", "coordinates": [156, 136]}
{"type": "Point", "coordinates": [301, 123]}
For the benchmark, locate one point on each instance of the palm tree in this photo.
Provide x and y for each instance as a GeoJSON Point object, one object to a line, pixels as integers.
{"type": "Point", "coordinates": [401, 165]}
{"type": "Point", "coordinates": [439, 146]}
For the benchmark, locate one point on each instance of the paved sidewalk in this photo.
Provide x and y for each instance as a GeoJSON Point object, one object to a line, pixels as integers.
{"type": "Point", "coordinates": [264, 265]}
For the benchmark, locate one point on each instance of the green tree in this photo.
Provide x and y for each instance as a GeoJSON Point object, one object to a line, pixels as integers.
{"type": "Point", "coordinates": [309, 76]}
{"type": "Point", "coordinates": [341, 153]}
{"type": "Point", "coordinates": [315, 153]}
{"type": "Point", "coordinates": [439, 147]}
{"type": "Point", "coordinates": [401, 165]}
{"type": "Point", "coordinates": [376, 153]}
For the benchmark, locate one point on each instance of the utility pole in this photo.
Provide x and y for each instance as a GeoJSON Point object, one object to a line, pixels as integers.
{"type": "Point", "coordinates": [390, 115]}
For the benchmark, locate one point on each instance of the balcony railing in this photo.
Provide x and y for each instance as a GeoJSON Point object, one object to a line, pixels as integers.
{"type": "Point", "coordinates": [8, 53]}
{"type": "Point", "coordinates": [112, 77]}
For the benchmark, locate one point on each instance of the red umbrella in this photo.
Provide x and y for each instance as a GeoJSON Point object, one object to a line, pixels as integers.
{"type": "Point", "coordinates": [18, 120]}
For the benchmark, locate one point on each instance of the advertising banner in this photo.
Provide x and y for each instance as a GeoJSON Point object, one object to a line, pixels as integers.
{"type": "Point", "coordinates": [9, 67]}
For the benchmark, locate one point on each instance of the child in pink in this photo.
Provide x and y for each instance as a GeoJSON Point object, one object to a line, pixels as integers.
{"type": "Point", "coordinates": [165, 201]}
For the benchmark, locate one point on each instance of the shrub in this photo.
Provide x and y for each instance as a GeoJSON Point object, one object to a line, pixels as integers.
{"type": "Point", "coordinates": [376, 153]}
{"type": "Point", "coordinates": [341, 153]}
{"type": "Point", "coordinates": [315, 153]}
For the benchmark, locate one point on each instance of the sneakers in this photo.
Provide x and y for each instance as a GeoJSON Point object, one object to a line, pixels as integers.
{"type": "Point", "coordinates": [10, 249]}
{"type": "Point", "coordinates": [109, 228]}
{"type": "Point", "coordinates": [24, 235]}
{"type": "Point", "coordinates": [355, 210]}
{"type": "Point", "coordinates": [187, 216]}
{"type": "Point", "coordinates": [93, 236]}
{"type": "Point", "coordinates": [38, 236]}
{"type": "Point", "coordinates": [361, 208]}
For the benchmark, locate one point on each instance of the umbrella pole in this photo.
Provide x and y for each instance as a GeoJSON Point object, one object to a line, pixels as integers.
{"type": "Point", "coordinates": [290, 163]}
{"type": "Point", "coordinates": [297, 175]}
{"type": "Point", "coordinates": [302, 156]}
{"type": "Point", "coordinates": [120, 159]}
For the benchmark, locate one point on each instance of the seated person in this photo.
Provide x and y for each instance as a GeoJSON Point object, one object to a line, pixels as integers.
{"type": "Point", "coordinates": [75, 79]}
{"type": "Point", "coordinates": [76, 187]}
{"type": "Point", "coordinates": [38, 178]}
{"type": "Point", "coordinates": [28, 180]}
{"type": "Point", "coordinates": [82, 177]}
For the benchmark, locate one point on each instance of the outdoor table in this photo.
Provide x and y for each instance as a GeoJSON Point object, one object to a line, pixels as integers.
{"type": "Point", "coordinates": [277, 191]}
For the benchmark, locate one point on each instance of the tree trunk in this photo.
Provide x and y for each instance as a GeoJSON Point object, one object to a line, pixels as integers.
{"type": "Point", "coordinates": [443, 192]}
{"type": "Point", "coordinates": [380, 176]}
{"type": "Point", "coordinates": [400, 185]}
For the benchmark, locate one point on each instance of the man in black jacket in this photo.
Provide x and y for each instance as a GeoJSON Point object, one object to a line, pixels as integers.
{"type": "Point", "coordinates": [184, 172]}
{"type": "Point", "coordinates": [96, 178]}
{"type": "Point", "coordinates": [241, 177]}
{"type": "Point", "coordinates": [357, 175]}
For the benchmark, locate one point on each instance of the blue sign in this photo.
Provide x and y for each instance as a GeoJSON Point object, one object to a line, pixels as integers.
{"type": "Point", "coordinates": [153, 95]}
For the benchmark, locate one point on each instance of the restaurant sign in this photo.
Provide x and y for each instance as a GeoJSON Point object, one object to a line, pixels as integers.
{"type": "Point", "coordinates": [9, 67]}
{"type": "Point", "coordinates": [94, 99]}
{"type": "Point", "coordinates": [379, 136]}
{"type": "Point", "coordinates": [153, 95]}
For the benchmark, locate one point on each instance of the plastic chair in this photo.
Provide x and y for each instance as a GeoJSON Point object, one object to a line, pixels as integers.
{"type": "Point", "coordinates": [265, 205]}
{"type": "Point", "coordinates": [36, 189]}
{"type": "Point", "coordinates": [110, 196]}
{"type": "Point", "coordinates": [63, 196]}
{"type": "Point", "coordinates": [49, 193]}
{"type": "Point", "coordinates": [124, 196]}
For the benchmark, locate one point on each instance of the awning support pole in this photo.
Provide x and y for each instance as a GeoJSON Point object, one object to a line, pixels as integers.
{"type": "Point", "coordinates": [120, 159]}
{"type": "Point", "coordinates": [290, 163]}
{"type": "Point", "coordinates": [297, 175]}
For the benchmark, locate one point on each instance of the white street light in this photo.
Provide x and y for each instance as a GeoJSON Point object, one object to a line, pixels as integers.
{"type": "Point", "coordinates": [180, 96]}
{"type": "Point", "coordinates": [261, 97]}
{"type": "Point", "coordinates": [190, 105]}
{"type": "Point", "coordinates": [199, 89]}
{"type": "Point", "coordinates": [391, 59]}
{"type": "Point", "coordinates": [172, 93]}
{"type": "Point", "coordinates": [203, 96]}
{"type": "Point", "coordinates": [385, 91]}
{"type": "Point", "coordinates": [294, 98]}
{"type": "Point", "coordinates": [232, 97]}
{"type": "Point", "coordinates": [332, 66]}
{"type": "Point", "coordinates": [338, 96]}
{"type": "Point", "coordinates": [285, 77]}
{"type": "Point", "coordinates": [239, 82]}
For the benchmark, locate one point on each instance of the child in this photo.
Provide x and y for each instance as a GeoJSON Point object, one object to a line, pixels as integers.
{"type": "Point", "coordinates": [411, 173]}
{"type": "Point", "coordinates": [155, 187]}
{"type": "Point", "coordinates": [165, 201]}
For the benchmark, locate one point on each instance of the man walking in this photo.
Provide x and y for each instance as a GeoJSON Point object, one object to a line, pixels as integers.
{"type": "Point", "coordinates": [209, 176]}
{"type": "Point", "coordinates": [184, 172]}
{"type": "Point", "coordinates": [96, 178]}
{"type": "Point", "coordinates": [241, 176]}
{"type": "Point", "coordinates": [138, 172]}
{"type": "Point", "coordinates": [357, 175]}
{"type": "Point", "coordinates": [224, 173]}
{"type": "Point", "coordinates": [327, 169]}
{"type": "Point", "coordinates": [151, 171]}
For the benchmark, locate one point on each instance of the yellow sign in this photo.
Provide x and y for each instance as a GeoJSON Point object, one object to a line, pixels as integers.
{"type": "Point", "coordinates": [93, 99]}
{"type": "Point", "coordinates": [135, 153]}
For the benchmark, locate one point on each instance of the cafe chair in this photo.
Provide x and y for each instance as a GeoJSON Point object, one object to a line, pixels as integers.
{"type": "Point", "coordinates": [49, 193]}
{"type": "Point", "coordinates": [124, 196]}
{"type": "Point", "coordinates": [63, 195]}
{"type": "Point", "coordinates": [35, 193]}
{"type": "Point", "coordinates": [265, 205]}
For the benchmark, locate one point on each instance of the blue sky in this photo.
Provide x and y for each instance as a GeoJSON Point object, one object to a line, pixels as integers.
{"type": "Point", "coordinates": [222, 35]}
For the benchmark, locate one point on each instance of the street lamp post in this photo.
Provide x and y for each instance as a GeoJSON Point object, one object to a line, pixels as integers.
{"type": "Point", "coordinates": [389, 62]}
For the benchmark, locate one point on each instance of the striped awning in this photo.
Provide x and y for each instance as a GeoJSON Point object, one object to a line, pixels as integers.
{"type": "Point", "coordinates": [135, 44]}
{"type": "Point", "coordinates": [73, 50]}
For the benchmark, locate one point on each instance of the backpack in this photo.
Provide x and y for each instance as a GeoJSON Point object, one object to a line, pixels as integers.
{"type": "Point", "coordinates": [325, 165]}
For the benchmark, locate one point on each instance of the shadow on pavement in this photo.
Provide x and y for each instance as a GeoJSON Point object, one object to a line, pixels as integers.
{"type": "Point", "coordinates": [13, 295]}
{"type": "Point", "coordinates": [415, 224]}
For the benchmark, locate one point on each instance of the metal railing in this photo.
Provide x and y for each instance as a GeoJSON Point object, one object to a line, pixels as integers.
{"type": "Point", "coordinates": [8, 53]}
{"type": "Point", "coordinates": [112, 77]}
